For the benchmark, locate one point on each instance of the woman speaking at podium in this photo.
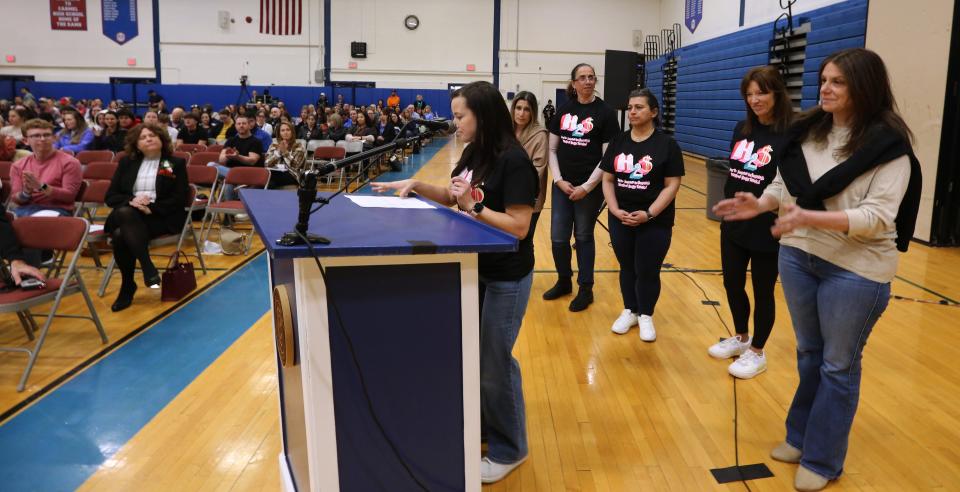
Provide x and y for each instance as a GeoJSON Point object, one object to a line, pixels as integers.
{"type": "Point", "coordinates": [495, 183]}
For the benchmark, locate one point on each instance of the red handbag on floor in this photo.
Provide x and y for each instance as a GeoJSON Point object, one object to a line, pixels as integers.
{"type": "Point", "coordinates": [178, 279]}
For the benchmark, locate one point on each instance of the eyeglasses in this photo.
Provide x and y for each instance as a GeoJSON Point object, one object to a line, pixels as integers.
{"type": "Point", "coordinates": [40, 136]}
{"type": "Point", "coordinates": [587, 78]}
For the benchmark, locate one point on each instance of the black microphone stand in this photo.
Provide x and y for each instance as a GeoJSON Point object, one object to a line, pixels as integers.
{"type": "Point", "coordinates": [307, 192]}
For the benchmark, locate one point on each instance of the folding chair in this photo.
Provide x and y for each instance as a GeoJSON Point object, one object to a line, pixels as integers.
{"type": "Point", "coordinates": [249, 177]}
{"type": "Point", "coordinates": [5, 169]}
{"type": "Point", "coordinates": [183, 155]}
{"type": "Point", "coordinates": [61, 234]}
{"type": "Point", "coordinates": [100, 170]}
{"type": "Point", "coordinates": [192, 148]}
{"type": "Point", "coordinates": [119, 155]}
{"type": "Point", "coordinates": [323, 154]}
{"type": "Point", "coordinates": [215, 148]}
{"type": "Point", "coordinates": [176, 238]}
{"type": "Point", "coordinates": [88, 156]}
{"type": "Point", "coordinates": [206, 177]}
{"type": "Point", "coordinates": [202, 158]}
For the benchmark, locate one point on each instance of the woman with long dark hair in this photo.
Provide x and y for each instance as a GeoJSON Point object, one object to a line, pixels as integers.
{"type": "Point", "coordinates": [642, 169]}
{"type": "Point", "coordinates": [848, 191]}
{"type": "Point", "coordinates": [754, 159]}
{"type": "Point", "coordinates": [148, 194]}
{"type": "Point", "coordinates": [112, 137]}
{"type": "Point", "coordinates": [578, 137]}
{"type": "Point", "coordinates": [533, 137]}
{"type": "Point", "coordinates": [495, 182]}
{"type": "Point", "coordinates": [285, 157]}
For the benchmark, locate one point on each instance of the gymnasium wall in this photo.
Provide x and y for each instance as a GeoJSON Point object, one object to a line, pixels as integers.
{"type": "Point", "coordinates": [914, 40]}
{"type": "Point", "coordinates": [75, 56]}
{"type": "Point", "coordinates": [542, 40]}
{"type": "Point", "coordinates": [451, 35]}
{"type": "Point", "coordinates": [709, 72]}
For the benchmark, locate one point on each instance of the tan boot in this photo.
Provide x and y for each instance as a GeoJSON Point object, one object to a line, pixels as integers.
{"type": "Point", "coordinates": [786, 453]}
{"type": "Point", "coordinates": [807, 480]}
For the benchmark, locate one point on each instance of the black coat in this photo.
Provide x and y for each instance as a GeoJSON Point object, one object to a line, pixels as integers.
{"type": "Point", "coordinates": [172, 191]}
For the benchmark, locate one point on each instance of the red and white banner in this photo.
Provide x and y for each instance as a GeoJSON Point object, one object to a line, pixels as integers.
{"type": "Point", "coordinates": [281, 17]}
{"type": "Point", "coordinates": [68, 15]}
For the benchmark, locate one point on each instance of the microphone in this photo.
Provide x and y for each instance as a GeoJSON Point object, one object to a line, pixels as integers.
{"type": "Point", "coordinates": [440, 125]}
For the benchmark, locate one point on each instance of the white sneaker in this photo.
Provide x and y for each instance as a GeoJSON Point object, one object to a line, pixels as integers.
{"type": "Point", "coordinates": [748, 365]}
{"type": "Point", "coordinates": [647, 332]}
{"type": "Point", "coordinates": [491, 471]}
{"type": "Point", "coordinates": [724, 349]}
{"type": "Point", "coordinates": [623, 323]}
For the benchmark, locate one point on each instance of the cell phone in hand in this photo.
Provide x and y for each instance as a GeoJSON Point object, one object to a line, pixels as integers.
{"type": "Point", "coordinates": [31, 283]}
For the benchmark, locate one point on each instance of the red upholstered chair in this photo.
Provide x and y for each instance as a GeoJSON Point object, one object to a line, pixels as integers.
{"type": "Point", "coordinates": [192, 148]}
{"type": "Point", "coordinates": [88, 156]}
{"type": "Point", "coordinates": [119, 155]}
{"type": "Point", "coordinates": [176, 238]}
{"type": "Point", "coordinates": [215, 148]}
{"type": "Point", "coordinates": [202, 158]}
{"type": "Point", "coordinates": [183, 155]}
{"type": "Point", "coordinates": [100, 170]}
{"type": "Point", "coordinates": [239, 177]}
{"type": "Point", "coordinates": [58, 234]}
{"type": "Point", "coordinates": [5, 169]}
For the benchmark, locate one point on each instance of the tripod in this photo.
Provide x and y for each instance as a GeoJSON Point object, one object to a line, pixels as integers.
{"type": "Point", "coordinates": [244, 91]}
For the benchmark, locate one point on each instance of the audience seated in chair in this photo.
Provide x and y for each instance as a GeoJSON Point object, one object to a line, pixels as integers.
{"type": "Point", "coordinates": [75, 135]}
{"type": "Point", "coordinates": [47, 180]}
{"type": "Point", "coordinates": [147, 195]}
{"type": "Point", "coordinates": [244, 149]}
{"type": "Point", "coordinates": [285, 158]}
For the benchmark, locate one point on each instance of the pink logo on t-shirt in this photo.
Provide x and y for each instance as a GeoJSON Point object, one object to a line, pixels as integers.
{"type": "Point", "coordinates": [743, 152]}
{"type": "Point", "coordinates": [568, 122]}
{"type": "Point", "coordinates": [623, 163]}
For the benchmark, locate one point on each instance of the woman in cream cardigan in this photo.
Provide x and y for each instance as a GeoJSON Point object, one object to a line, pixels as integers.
{"type": "Point", "coordinates": [533, 136]}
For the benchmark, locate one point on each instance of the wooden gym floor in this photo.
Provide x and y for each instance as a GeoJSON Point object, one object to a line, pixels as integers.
{"type": "Point", "coordinates": [604, 412]}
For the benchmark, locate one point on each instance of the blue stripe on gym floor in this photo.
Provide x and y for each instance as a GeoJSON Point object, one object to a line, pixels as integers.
{"type": "Point", "coordinates": [60, 441]}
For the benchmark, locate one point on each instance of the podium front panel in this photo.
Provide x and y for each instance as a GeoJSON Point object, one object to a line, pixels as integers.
{"type": "Point", "coordinates": [414, 326]}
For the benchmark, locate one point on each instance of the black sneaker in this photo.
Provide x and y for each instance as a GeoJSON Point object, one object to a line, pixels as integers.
{"type": "Point", "coordinates": [584, 298]}
{"type": "Point", "coordinates": [563, 287]}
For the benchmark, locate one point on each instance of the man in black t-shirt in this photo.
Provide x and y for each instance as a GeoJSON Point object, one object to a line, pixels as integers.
{"type": "Point", "coordinates": [192, 132]}
{"type": "Point", "coordinates": [243, 149]}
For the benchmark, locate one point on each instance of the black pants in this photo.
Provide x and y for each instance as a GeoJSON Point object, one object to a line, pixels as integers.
{"type": "Point", "coordinates": [131, 231]}
{"type": "Point", "coordinates": [763, 268]}
{"type": "Point", "coordinates": [640, 251]}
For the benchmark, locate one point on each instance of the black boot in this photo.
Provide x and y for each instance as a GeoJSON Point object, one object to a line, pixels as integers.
{"type": "Point", "coordinates": [584, 298]}
{"type": "Point", "coordinates": [563, 287]}
{"type": "Point", "coordinates": [125, 298]}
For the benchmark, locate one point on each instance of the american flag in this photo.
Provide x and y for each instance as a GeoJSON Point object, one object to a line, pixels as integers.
{"type": "Point", "coordinates": [281, 17]}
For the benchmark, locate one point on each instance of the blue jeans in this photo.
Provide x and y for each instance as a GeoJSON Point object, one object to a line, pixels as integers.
{"type": "Point", "coordinates": [578, 218]}
{"type": "Point", "coordinates": [228, 192]}
{"type": "Point", "coordinates": [833, 311]}
{"type": "Point", "coordinates": [502, 416]}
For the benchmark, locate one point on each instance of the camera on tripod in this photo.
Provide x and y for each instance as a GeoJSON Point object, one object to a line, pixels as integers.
{"type": "Point", "coordinates": [243, 81]}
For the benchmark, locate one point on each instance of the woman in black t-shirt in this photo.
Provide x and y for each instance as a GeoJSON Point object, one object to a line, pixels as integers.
{"type": "Point", "coordinates": [578, 137]}
{"type": "Point", "coordinates": [496, 183]}
{"type": "Point", "coordinates": [754, 157]}
{"type": "Point", "coordinates": [641, 175]}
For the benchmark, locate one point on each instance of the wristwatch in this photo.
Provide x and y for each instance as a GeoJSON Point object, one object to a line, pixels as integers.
{"type": "Point", "coordinates": [477, 208]}
{"type": "Point", "coordinates": [650, 216]}
{"type": "Point", "coordinates": [43, 187]}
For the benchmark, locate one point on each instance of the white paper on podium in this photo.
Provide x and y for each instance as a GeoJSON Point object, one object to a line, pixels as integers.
{"type": "Point", "coordinates": [367, 201]}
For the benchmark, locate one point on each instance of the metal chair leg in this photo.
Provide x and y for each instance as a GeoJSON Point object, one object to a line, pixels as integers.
{"type": "Point", "coordinates": [106, 277]}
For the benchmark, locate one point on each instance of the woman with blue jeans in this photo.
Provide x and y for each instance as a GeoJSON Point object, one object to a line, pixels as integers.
{"type": "Point", "coordinates": [494, 182]}
{"type": "Point", "coordinates": [848, 190]}
{"type": "Point", "coordinates": [579, 134]}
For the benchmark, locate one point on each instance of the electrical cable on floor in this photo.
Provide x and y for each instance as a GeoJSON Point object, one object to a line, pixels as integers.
{"type": "Point", "coordinates": [736, 417]}
{"type": "Point", "coordinates": [356, 364]}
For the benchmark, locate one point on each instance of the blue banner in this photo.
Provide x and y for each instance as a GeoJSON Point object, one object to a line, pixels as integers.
{"type": "Point", "coordinates": [120, 20]}
{"type": "Point", "coordinates": [693, 14]}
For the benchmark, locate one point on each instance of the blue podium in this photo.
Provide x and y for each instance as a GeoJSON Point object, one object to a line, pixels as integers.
{"type": "Point", "coordinates": [405, 284]}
